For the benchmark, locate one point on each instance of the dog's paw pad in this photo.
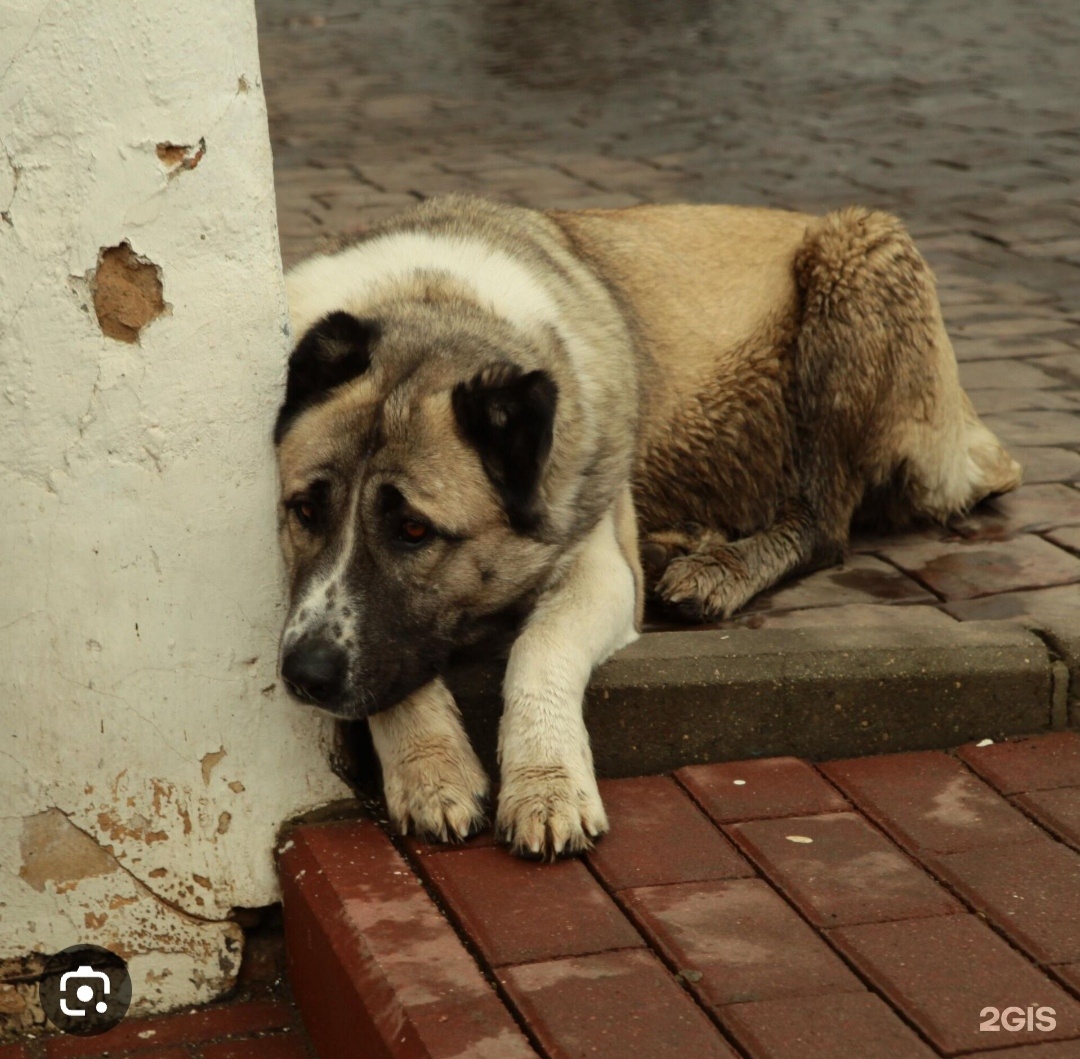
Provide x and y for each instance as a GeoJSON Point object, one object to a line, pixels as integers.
{"type": "Point", "coordinates": [438, 798]}
{"type": "Point", "coordinates": [546, 813]}
{"type": "Point", "coordinates": [706, 587]}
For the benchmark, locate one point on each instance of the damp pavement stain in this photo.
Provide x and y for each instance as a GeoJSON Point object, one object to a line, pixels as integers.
{"type": "Point", "coordinates": [965, 571]}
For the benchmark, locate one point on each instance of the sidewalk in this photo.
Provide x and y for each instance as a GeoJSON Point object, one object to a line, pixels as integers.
{"type": "Point", "coordinates": [870, 908]}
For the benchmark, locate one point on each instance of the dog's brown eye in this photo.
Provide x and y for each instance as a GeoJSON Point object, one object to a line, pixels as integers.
{"type": "Point", "coordinates": [413, 531]}
{"type": "Point", "coordinates": [306, 512]}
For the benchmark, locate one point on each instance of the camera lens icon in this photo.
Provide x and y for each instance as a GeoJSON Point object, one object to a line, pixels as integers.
{"type": "Point", "coordinates": [85, 990]}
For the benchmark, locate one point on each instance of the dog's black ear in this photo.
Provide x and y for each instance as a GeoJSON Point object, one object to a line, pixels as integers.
{"type": "Point", "coordinates": [509, 416]}
{"type": "Point", "coordinates": [333, 351]}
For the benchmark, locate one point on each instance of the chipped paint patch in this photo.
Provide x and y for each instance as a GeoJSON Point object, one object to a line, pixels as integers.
{"type": "Point", "coordinates": [128, 292]}
{"type": "Point", "coordinates": [89, 887]}
{"type": "Point", "coordinates": [177, 157]}
{"type": "Point", "coordinates": [210, 762]}
{"type": "Point", "coordinates": [55, 850]}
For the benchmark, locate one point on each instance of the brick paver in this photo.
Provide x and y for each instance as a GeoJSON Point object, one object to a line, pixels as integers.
{"type": "Point", "coordinates": [658, 835]}
{"type": "Point", "coordinates": [1030, 892]}
{"type": "Point", "coordinates": [943, 972]}
{"type": "Point", "coordinates": [611, 1006]}
{"type": "Point", "coordinates": [966, 569]}
{"type": "Point", "coordinates": [1054, 1050]}
{"type": "Point", "coordinates": [1028, 764]}
{"type": "Point", "coordinates": [1057, 810]}
{"type": "Point", "coordinates": [516, 914]}
{"type": "Point", "coordinates": [930, 801]}
{"type": "Point", "coordinates": [1068, 537]}
{"type": "Point", "coordinates": [371, 957]}
{"type": "Point", "coordinates": [1069, 973]}
{"type": "Point", "coordinates": [752, 790]}
{"type": "Point", "coordinates": [849, 1026]}
{"type": "Point", "coordinates": [959, 115]}
{"type": "Point", "coordinates": [739, 941]}
{"type": "Point", "coordinates": [838, 870]}
{"type": "Point", "coordinates": [1050, 508]}
{"type": "Point", "coordinates": [875, 928]}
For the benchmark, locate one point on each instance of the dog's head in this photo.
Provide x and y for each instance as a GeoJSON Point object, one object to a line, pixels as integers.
{"type": "Point", "coordinates": [412, 449]}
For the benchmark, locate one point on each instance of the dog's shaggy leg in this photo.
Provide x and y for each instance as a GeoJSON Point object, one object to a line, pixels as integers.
{"type": "Point", "coordinates": [718, 577]}
{"type": "Point", "coordinates": [433, 782]}
{"type": "Point", "coordinates": [877, 380]}
{"type": "Point", "coordinates": [549, 803]}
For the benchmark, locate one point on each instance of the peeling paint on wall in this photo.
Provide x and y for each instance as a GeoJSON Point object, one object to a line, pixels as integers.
{"type": "Point", "coordinates": [179, 157]}
{"type": "Point", "coordinates": [9, 184]}
{"type": "Point", "coordinates": [209, 762]}
{"type": "Point", "coordinates": [54, 850]}
{"type": "Point", "coordinates": [127, 291]}
{"type": "Point", "coordinates": [106, 904]}
{"type": "Point", "coordinates": [148, 757]}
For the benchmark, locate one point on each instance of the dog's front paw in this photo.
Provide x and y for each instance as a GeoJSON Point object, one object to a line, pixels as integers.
{"type": "Point", "coordinates": [704, 587]}
{"type": "Point", "coordinates": [438, 793]}
{"type": "Point", "coordinates": [547, 811]}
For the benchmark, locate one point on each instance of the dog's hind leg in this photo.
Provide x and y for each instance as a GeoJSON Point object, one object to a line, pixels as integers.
{"type": "Point", "coordinates": [661, 547]}
{"type": "Point", "coordinates": [716, 577]}
{"type": "Point", "coordinates": [434, 783]}
{"type": "Point", "coordinates": [875, 400]}
{"type": "Point", "coordinates": [876, 376]}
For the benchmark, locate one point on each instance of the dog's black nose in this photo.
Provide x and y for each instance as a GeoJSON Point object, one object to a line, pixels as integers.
{"type": "Point", "coordinates": [315, 670]}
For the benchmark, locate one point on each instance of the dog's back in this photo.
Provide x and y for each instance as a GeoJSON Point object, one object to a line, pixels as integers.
{"type": "Point", "coordinates": [797, 367]}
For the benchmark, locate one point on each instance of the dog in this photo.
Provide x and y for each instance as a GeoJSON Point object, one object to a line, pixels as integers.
{"type": "Point", "coordinates": [505, 422]}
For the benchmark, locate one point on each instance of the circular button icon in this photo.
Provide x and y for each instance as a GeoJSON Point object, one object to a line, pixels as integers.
{"type": "Point", "coordinates": [85, 990]}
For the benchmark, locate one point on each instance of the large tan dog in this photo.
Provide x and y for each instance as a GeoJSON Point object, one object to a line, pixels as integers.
{"type": "Point", "coordinates": [487, 405]}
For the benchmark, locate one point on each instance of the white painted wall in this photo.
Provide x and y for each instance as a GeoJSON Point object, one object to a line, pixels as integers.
{"type": "Point", "coordinates": [146, 761]}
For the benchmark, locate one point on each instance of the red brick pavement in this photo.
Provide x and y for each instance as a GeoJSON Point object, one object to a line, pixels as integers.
{"type": "Point", "coordinates": [766, 909]}
{"type": "Point", "coordinates": [252, 1029]}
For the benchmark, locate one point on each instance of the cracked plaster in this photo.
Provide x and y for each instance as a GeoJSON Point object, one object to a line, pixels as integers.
{"type": "Point", "coordinates": [138, 698]}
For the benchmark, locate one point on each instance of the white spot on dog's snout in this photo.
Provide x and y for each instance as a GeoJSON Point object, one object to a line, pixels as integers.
{"type": "Point", "coordinates": [326, 603]}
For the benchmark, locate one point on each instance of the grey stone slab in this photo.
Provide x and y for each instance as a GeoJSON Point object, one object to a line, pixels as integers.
{"type": "Point", "coordinates": [1053, 612]}
{"type": "Point", "coordinates": [678, 698]}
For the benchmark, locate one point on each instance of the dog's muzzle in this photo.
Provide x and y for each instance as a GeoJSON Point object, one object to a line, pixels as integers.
{"type": "Point", "coordinates": [316, 670]}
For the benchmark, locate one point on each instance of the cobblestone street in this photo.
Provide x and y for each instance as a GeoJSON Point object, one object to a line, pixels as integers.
{"type": "Point", "coordinates": [957, 115]}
